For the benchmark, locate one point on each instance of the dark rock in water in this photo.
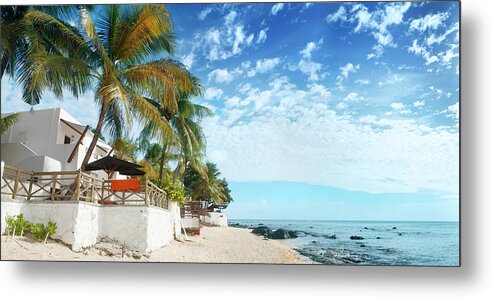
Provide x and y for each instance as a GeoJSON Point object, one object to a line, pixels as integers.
{"type": "Point", "coordinates": [366, 228]}
{"type": "Point", "coordinates": [280, 234]}
{"type": "Point", "coordinates": [262, 231]}
{"type": "Point", "coordinates": [314, 241]}
{"type": "Point", "coordinates": [238, 225]}
{"type": "Point", "coordinates": [311, 227]}
{"type": "Point", "coordinates": [362, 245]}
{"type": "Point", "coordinates": [330, 236]}
{"type": "Point", "coordinates": [260, 224]}
{"type": "Point", "coordinates": [378, 237]}
{"type": "Point", "coordinates": [356, 238]}
{"type": "Point", "coordinates": [399, 234]}
{"type": "Point", "coordinates": [335, 256]}
{"type": "Point", "coordinates": [293, 234]}
{"type": "Point", "coordinates": [394, 228]}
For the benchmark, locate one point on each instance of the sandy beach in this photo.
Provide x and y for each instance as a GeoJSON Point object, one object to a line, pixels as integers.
{"type": "Point", "coordinates": [214, 245]}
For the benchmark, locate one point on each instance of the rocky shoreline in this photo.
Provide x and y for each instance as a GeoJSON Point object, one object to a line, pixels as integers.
{"type": "Point", "coordinates": [317, 253]}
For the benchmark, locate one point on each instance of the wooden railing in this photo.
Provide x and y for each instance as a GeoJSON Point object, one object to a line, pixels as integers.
{"type": "Point", "coordinates": [76, 186]}
{"type": "Point", "coordinates": [191, 209]}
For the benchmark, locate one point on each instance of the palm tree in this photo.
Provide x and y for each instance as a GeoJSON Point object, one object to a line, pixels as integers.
{"type": "Point", "coordinates": [125, 55]}
{"type": "Point", "coordinates": [210, 188]}
{"type": "Point", "coordinates": [189, 133]}
{"type": "Point", "coordinates": [125, 149]}
{"type": "Point", "coordinates": [41, 51]}
{"type": "Point", "coordinates": [130, 80]}
{"type": "Point", "coordinates": [187, 141]}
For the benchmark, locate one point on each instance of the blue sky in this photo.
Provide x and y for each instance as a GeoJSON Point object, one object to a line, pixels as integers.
{"type": "Point", "coordinates": [325, 110]}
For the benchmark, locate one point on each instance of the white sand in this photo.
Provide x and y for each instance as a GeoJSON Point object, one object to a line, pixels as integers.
{"type": "Point", "coordinates": [215, 245]}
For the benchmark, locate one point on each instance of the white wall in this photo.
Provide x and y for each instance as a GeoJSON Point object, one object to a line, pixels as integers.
{"type": "Point", "coordinates": [41, 163]}
{"type": "Point", "coordinates": [160, 229]}
{"type": "Point", "coordinates": [37, 129]}
{"type": "Point", "coordinates": [125, 224]}
{"type": "Point", "coordinates": [86, 228]}
{"type": "Point", "coordinates": [43, 133]}
{"type": "Point", "coordinates": [216, 219]}
{"type": "Point", "coordinates": [139, 228]}
{"type": "Point", "coordinates": [64, 214]}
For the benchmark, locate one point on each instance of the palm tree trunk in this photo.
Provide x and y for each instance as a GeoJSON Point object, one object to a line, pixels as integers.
{"type": "Point", "coordinates": [161, 163]}
{"type": "Point", "coordinates": [95, 138]}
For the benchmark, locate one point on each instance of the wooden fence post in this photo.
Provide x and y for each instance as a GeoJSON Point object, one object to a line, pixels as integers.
{"type": "Point", "coordinates": [31, 181]}
{"type": "Point", "coordinates": [77, 190]}
{"type": "Point", "coordinates": [53, 186]}
{"type": "Point", "coordinates": [16, 183]}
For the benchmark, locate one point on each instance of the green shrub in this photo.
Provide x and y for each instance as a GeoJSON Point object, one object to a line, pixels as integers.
{"type": "Point", "coordinates": [18, 225]}
{"type": "Point", "coordinates": [50, 230]}
{"type": "Point", "coordinates": [21, 225]}
{"type": "Point", "coordinates": [38, 231]}
{"type": "Point", "coordinates": [10, 225]}
{"type": "Point", "coordinates": [174, 190]}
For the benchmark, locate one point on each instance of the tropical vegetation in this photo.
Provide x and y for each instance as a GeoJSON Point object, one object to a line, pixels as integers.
{"type": "Point", "coordinates": [123, 55]}
{"type": "Point", "coordinates": [17, 226]}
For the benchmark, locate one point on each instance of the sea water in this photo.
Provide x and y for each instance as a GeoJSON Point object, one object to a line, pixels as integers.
{"type": "Point", "coordinates": [385, 242]}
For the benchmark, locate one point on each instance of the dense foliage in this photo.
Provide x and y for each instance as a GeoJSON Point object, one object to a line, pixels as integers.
{"type": "Point", "coordinates": [207, 188]}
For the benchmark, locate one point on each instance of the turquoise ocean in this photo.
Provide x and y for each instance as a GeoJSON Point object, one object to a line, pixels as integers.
{"type": "Point", "coordinates": [415, 243]}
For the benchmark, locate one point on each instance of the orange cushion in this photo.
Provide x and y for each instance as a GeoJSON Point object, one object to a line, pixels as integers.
{"type": "Point", "coordinates": [125, 185]}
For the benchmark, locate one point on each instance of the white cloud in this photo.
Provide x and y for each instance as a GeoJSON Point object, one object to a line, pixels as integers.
{"type": "Point", "coordinates": [238, 40]}
{"type": "Point", "coordinates": [230, 18]}
{"type": "Point", "coordinates": [348, 68]}
{"type": "Point", "coordinates": [430, 21]}
{"type": "Point", "coordinates": [213, 93]}
{"type": "Point", "coordinates": [319, 90]}
{"type": "Point", "coordinates": [188, 60]}
{"type": "Point", "coordinates": [344, 73]}
{"type": "Point", "coordinates": [233, 101]}
{"type": "Point", "coordinates": [221, 75]}
{"type": "Point", "coordinates": [422, 51]}
{"type": "Point", "coordinates": [453, 111]}
{"type": "Point", "coordinates": [397, 106]}
{"type": "Point", "coordinates": [293, 139]}
{"type": "Point", "coordinates": [353, 96]}
{"type": "Point", "coordinates": [433, 39]}
{"type": "Point", "coordinates": [419, 103]}
{"type": "Point", "coordinates": [375, 22]}
{"type": "Point", "coordinates": [204, 13]}
{"type": "Point", "coordinates": [245, 88]}
{"type": "Point", "coordinates": [400, 107]}
{"type": "Point", "coordinates": [262, 36]}
{"type": "Point", "coordinates": [391, 80]}
{"type": "Point", "coordinates": [263, 66]}
{"type": "Point", "coordinates": [340, 14]}
{"type": "Point", "coordinates": [310, 46]}
{"type": "Point", "coordinates": [276, 8]}
{"type": "Point", "coordinates": [341, 106]}
{"type": "Point", "coordinates": [312, 69]}
{"type": "Point", "coordinates": [443, 58]}
{"type": "Point", "coordinates": [448, 55]}
{"type": "Point", "coordinates": [225, 41]}
{"type": "Point", "coordinates": [362, 81]}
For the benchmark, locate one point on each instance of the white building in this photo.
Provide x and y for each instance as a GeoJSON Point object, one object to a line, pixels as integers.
{"type": "Point", "coordinates": [49, 140]}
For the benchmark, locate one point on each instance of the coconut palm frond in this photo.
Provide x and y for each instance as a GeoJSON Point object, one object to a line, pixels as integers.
{"type": "Point", "coordinates": [7, 122]}
{"type": "Point", "coordinates": [147, 31]}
